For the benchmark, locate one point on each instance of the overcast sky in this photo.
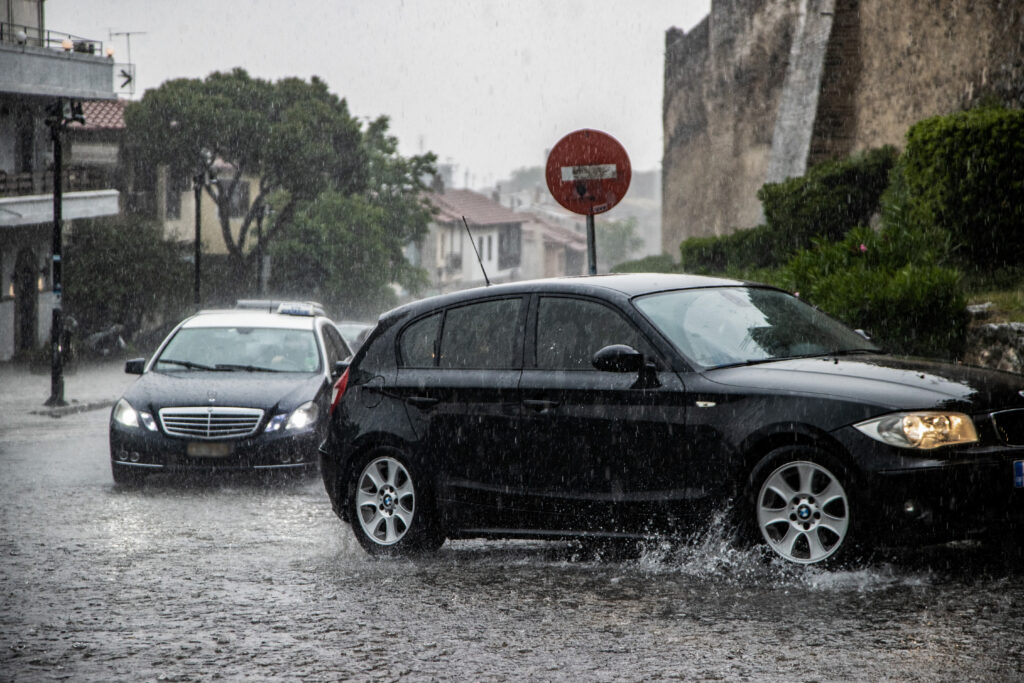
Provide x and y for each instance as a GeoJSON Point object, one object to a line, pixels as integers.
{"type": "Point", "coordinates": [488, 85]}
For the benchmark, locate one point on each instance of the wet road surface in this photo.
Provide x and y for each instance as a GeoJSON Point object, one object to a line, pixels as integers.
{"type": "Point", "coordinates": [241, 579]}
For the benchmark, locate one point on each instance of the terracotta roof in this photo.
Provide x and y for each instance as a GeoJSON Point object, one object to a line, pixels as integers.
{"type": "Point", "coordinates": [102, 115]}
{"type": "Point", "coordinates": [478, 209]}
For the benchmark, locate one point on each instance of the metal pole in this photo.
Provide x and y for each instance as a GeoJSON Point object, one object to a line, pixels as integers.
{"type": "Point", "coordinates": [591, 246]}
{"type": "Point", "coordinates": [198, 188]}
{"type": "Point", "coordinates": [259, 250]}
{"type": "Point", "coordinates": [57, 324]}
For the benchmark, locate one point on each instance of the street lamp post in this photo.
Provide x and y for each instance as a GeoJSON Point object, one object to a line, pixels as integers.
{"type": "Point", "coordinates": [60, 114]}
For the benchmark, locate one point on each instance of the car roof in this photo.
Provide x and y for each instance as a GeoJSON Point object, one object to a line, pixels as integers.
{"type": "Point", "coordinates": [625, 284]}
{"type": "Point", "coordinates": [249, 318]}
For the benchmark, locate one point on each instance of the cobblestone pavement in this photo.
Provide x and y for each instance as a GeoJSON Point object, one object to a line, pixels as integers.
{"type": "Point", "coordinates": [257, 580]}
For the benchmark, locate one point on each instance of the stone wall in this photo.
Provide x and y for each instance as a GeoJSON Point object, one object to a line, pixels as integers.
{"type": "Point", "coordinates": [722, 86]}
{"type": "Point", "coordinates": [741, 107]}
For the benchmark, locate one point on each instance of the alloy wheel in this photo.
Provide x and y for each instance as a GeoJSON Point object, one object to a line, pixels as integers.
{"type": "Point", "coordinates": [385, 501]}
{"type": "Point", "coordinates": [803, 512]}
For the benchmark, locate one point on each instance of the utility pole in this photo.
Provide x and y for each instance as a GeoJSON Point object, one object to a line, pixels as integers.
{"type": "Point", "coordinates": [61, 113]}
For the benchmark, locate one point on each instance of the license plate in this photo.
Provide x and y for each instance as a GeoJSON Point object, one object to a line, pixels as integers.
{"type": "Point", "coordinates": [209, 449]}
{"type": "Point", "coordinates": [1018, 474]}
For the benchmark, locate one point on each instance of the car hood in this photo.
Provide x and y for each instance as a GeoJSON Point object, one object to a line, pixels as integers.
{"type": "Point", "coordinates": [268, 391]}
{"type": "Point", "coordinates": [889, 382]}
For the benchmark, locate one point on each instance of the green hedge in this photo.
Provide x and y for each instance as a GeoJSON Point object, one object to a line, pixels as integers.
{"type": "Point", "coordinates": [827, 202]}
{"type": "Point", "coordinates": [965, 173]}
{"type": "Point", "coordinates": [888, 283]}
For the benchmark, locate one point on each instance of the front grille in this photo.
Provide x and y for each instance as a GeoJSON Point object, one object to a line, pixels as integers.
{"type": "Point", "coordinates": [210, 423]}
{"type": "Point", "coordinates": [1010, 426]}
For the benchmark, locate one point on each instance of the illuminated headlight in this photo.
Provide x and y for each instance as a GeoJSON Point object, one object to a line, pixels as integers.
{"type": "Point", "coordinates": [303, 416]}
{"type": "Point", "coordinates": [923, 430]}
{"type": "Point", "coordinates": [300, 418]}
{"type": "Point", "coordinates": [127, 416]}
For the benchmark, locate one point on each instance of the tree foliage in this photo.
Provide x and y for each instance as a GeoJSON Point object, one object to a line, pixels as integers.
{"type": "Point", "coordinates": [617, 241]}
{"type": "Point", "coordinates": [295, 137]}
{"type": "Point", "coordinates": [345, 252]}
{"type": "Point", "coordinates": [120, 271]}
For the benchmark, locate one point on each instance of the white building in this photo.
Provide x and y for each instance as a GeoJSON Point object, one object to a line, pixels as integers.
{"type": "Point", "coordinates": [40, 69]}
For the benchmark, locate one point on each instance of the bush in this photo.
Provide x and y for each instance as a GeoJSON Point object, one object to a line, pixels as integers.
{"type": "Point", "coordinates": [662, 263]}
{"type": "Point", "coordinates": [828, 201]}
{"type": "Point", "coordinates": [742, 250]}
{"type": "Point", "coordinates": [121, 271]}
{"type": "Point", "coordinates": [964, 173]}
{"type": "Point", "coordinates": [887, 283]}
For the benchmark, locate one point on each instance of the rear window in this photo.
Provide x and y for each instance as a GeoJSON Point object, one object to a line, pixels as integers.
{"type": "Point", "coordinates": [482, 335]}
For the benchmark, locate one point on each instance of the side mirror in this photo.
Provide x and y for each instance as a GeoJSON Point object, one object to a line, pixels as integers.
{"type": "Point", "coordinates": [618, 358]}
{"type": "Point", "coordinates": [135, 366]}
{"type": "Point", "coordinates": [339, 368]}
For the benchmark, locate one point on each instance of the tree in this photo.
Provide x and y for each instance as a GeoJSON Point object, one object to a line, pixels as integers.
{"type": "Point", "coordinates": [120, 271]}
{"type": "Point", "coordinates": [617, 241]}
{"type": "Point", "coordinates": [346, 250]}
{"type": "Point", "coordinates": [295, 137]}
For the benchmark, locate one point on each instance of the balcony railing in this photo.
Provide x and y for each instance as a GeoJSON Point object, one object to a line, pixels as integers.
{"type": "Point", "coordinates": [16, 34]}
{"type": "Point", "coordinates": [72, 180]}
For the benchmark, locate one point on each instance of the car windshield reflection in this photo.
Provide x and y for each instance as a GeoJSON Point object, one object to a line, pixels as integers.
{"type": "Point", "coordinates": [250, 349]}
{"type": "Point", "coordinates": [718, 327]}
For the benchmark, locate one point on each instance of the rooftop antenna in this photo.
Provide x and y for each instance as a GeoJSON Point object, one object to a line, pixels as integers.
{"type": "Point", "coordinates": [478, 259]}
{"type": "Point", "coordinates": [128, 39]}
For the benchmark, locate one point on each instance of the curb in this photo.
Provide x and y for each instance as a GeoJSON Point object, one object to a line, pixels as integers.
{"type": "Point", "coordinates": [75, 407]}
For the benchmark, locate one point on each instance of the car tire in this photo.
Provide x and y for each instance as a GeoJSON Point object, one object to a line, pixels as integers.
{"type": "Point", "coordinates": [800, 504]}
{"type": "Point", "coordinates": [391, 507]}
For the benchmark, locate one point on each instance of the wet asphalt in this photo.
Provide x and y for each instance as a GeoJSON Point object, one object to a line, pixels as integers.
{"type": "Point", "coordinates": [256, 579]}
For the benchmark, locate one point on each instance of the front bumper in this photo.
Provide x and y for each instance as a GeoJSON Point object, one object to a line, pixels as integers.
{"type": "Point", "coordinates": [908, 497]}
{"type": "Point", "coordinates": [146, 451]}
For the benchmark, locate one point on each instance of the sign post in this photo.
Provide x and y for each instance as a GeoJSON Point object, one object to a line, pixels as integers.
{"type": "Point", "coordinates": [588, 172]}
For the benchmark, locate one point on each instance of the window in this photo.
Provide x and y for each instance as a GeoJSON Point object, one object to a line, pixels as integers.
{"type": "Point", "coordinates": [570, 331]}
{"type": "Point", "coordinates": [489, 241]}
{"type": "Point", "coordinates": [335, 345]}
{"type": "Point", "coordinates": [482, 335]}
{"type": "Point", "coordinates": [509, 246]}
{"type": "Point", "coordinates": [418, 344]}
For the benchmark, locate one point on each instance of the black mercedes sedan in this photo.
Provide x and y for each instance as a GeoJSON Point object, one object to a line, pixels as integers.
{"type": "Point", "coordinates": [625, 406]}
{"type": "Point", "coordinates": [229, 390]}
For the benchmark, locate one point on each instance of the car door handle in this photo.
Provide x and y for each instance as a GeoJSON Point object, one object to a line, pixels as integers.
{"type": "Point", "coordinates": [539, 405]}
{"type": "Point", "coordinates": [422, 401]}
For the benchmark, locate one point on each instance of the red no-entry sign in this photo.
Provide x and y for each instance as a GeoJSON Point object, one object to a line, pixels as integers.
{"type": "Point", "coordinates": [588, 172]}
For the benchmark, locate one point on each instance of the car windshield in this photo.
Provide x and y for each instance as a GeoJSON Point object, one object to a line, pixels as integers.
{"type": "Point", "coordinates": [254, 349]}
{"type": "Point", "coordinates": [720, 326]}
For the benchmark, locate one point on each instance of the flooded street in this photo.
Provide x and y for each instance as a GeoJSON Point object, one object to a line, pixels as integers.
{"type": "Point", "coordinates": [240, 579]}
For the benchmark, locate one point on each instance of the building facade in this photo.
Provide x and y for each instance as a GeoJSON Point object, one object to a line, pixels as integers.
{"type": "Point", "coordinates": [762, 89]}
{"type": "Point", "coordinates": [43, 73]}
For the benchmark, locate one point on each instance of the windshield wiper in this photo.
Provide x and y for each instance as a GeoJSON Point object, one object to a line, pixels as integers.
{"type": "Point", "coordinates": [853, 352]}
{"type": "Point", "coordinates": [247, 368]}
{"type": "Point", "coordinates": [187, 364]}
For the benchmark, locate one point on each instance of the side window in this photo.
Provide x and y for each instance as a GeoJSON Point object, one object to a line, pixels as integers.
{"type": "Point", "coordinates": [483, 335]}
{"type": "Point", "coordinates": [336, 347]}
{"type": "Point", "coordinates": [417, 343]}
{"type": "Point", "coordinates": [570, 331]}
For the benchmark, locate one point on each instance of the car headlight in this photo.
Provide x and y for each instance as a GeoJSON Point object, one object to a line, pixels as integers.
{"type": "Point", "coordinates": [300, 418]}
{"type": "Point", "coordinates": [921, 429]}
{"type": "Point", "coordinates": [303, 416]}
{"type": "Point", "coordinates": [127, 416]}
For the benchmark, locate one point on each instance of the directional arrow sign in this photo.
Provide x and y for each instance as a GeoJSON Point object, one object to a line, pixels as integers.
{"type": "Point", "coordinates": [588, 172]}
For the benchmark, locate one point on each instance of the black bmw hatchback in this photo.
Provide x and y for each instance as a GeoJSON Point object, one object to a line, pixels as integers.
{"type": "Point", "coordinates": [625, 406]}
